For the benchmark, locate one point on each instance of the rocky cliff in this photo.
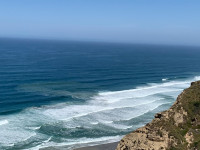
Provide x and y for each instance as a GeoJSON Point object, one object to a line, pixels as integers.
{"type": "Point", "coordinates": [175, 129]}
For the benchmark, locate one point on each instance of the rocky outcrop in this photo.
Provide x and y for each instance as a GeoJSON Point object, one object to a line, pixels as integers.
{"type": "Point", "coordinates": [175, 129]}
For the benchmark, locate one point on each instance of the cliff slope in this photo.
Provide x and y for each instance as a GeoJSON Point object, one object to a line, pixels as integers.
{"type": "Point", "coordinates": [175, 129]}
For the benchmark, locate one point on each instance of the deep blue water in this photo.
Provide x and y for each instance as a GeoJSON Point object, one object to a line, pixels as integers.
{"type": "Point", "coordinates": [68, 93]}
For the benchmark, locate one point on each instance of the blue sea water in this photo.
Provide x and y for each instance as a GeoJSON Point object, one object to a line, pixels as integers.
{"type": "Point", "coordinates": [55, 93]}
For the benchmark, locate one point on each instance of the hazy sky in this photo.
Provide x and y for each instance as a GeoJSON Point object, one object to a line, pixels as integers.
{"type": "Point", "coordinates": [135, 21]}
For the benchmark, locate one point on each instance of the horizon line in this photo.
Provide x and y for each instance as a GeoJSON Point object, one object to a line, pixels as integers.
{"type": "Point", "coordinates": [98, 41]}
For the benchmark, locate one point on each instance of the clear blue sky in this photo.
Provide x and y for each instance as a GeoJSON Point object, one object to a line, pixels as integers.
{"type": "Point", "coordinates": [132, 21]}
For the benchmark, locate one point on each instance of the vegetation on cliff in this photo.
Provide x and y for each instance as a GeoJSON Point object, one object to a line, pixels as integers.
{"type": "Point", "coordinates": [175, 129]}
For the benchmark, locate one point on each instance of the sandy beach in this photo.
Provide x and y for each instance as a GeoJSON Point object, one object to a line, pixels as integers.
{"type": "Point", "coordinates": [109, 146]}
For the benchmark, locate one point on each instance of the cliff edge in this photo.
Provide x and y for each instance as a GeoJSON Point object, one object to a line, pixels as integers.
{"type": "Point", "coordinates": [175, 129]}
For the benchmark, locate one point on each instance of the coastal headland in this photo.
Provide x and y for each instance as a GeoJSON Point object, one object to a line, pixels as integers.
{"type": "Point", "coordinates": [177, 128]}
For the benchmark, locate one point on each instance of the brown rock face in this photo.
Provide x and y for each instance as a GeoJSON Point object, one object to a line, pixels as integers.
{"type": "Point", "coordinates": [175, 129]}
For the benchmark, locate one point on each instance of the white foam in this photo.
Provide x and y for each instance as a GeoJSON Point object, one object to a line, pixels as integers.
{"type": "Point", "coordinates": [33, 134]}
{"type": "Point", "coordinates": [120, 126]}
{"type": "Point", "coordinates": [76, 111]}
{"type": "Point", "coordinates": [164, 79]}
{"type": "Point", "coordinates": [3, 122]}
{"type": "Point", "coordinates": [106, 122]}
{"type": "Point", "coordinates": [112, 97]}
{"type": "Point", "coordinates": [11, 135]}
{"type": "Point", "coordinates": [196, 78]}
{"type": "Point", "coordinates": [79, 142]}
{"type": "Point", "coordinates": [34, 128]}
{"type": "Point", "coordinates": [105, 108]}
{"type": "Point", "coordinates": [94, 123]}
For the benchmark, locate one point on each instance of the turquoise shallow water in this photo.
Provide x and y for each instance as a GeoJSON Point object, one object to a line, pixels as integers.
{"type": "Point", "coordinates": [69, 93]}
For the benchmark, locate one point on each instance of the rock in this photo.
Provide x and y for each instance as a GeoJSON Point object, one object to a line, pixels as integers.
{"type": "Point", "coordinates": [158, 115]}
{"type": "Point", "coordinates": [177, 128]}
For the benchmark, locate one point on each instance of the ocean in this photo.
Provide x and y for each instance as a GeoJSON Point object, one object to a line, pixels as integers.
{"type": "Point", "coordinates": [55, 93]}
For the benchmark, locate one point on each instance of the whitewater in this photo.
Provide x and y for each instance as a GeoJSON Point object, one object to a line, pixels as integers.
{"type": "Point", "coordinates": [108, 115]}
{"type": "Point", "coordinates": [72, 94]}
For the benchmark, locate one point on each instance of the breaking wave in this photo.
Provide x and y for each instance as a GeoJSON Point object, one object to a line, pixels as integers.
{"type": "Point", "coordinates": [105, 116]}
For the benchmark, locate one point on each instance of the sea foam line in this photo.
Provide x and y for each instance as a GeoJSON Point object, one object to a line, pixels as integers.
{"type": "Point", "coordinates": [124, 95]}
{"type": "Point", "coordinates": [81, 142]}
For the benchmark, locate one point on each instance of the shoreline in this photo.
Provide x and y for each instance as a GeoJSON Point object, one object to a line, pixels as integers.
{"type": "Point", "coordinates": [109, 146]}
